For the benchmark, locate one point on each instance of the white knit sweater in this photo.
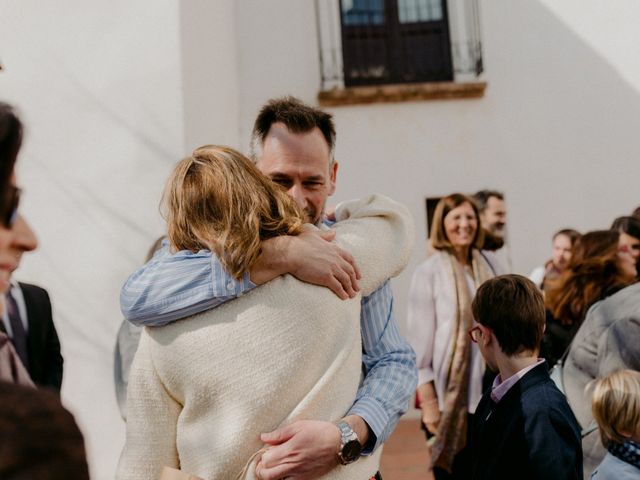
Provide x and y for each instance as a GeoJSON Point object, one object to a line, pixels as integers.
{"type": "Point", "coordinates": [202, 390]}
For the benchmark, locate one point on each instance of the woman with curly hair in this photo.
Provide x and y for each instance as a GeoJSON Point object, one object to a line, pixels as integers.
{"type": "Point", "coordinates": [599, 267]}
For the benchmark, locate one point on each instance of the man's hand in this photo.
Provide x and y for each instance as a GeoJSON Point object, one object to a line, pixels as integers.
{"type": "Point", "coordinates": [310, 257]}
{"type": "Point", "coordinates": [304, 450]}
{"type": "Point", "coordinates": [330, 213]}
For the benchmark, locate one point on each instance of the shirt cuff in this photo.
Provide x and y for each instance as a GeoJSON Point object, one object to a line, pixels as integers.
{"type": "Point", "coordinates": [372, 412]}
{"type": "Point", "coordinates": [230, 287]}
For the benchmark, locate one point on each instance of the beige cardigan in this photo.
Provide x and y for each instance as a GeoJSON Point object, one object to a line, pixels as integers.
{"type": "Point", "coordinates": [431, 323]}
{"type": "Point", "coordinates": [202, 390]}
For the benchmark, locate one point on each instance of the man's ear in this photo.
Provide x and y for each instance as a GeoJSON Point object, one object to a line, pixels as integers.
{"type": "Point", "coordinates": [333, 173]}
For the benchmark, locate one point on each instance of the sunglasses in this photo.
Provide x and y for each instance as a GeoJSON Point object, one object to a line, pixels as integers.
{"type": "Point", "coordinates": [9, 206]}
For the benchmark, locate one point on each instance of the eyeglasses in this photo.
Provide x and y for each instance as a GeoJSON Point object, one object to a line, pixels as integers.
{"type": "Point", "coordinates": [9, 206]}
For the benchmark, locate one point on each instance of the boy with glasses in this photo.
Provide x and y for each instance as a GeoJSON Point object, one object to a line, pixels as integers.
{"type": "Point", "coordinates": [523, 426]}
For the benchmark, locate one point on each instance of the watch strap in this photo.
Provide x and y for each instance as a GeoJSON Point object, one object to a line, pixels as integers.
{"type": "Point", "coordinates": [347, 435]}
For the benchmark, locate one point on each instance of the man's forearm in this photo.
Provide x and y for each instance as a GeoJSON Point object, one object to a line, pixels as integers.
{"type": "Point", "coordinates": [273, 260]}
{"type": "Point", "coordinates": [390, 369]}
{"type": "Point", "coordinates": [311, 257]}
{"type": "Point", "coordinates": [174, 286]}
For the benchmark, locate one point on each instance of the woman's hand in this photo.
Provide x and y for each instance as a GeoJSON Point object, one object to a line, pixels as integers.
{"type": "Point", "coordinates": [429, 406]}
{"type": "Point", "coordinates": [431, 416]}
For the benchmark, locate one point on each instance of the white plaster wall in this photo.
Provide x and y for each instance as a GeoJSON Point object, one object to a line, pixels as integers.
{"type": "Point", "coordinates": [598, 25]}
{"type": "Point", "coordinates": [98, 85]}
{"type": "Point", "coordinates": [277, 55]}
{"type": "Point", "coordinates": [209, 71]}
{"type": "Point", "coordinates": [556, 129]}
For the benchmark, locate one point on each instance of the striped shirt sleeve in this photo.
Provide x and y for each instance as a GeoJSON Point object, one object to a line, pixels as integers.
{"type": "Point", "coordinates": [389, 366]}
{"type": "Point", "coordinates": [174, 286]}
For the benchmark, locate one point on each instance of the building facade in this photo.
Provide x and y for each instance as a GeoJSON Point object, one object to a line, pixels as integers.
{"type": "Point", "coordinates": [113, 93]}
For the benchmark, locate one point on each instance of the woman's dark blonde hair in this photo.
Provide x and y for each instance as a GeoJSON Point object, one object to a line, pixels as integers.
{"type": "Point", "coordinates": [616, 405]}
{"type": "Point", "coordinates": [438, 237]}
{"type": "Point", "coordinates": [217, 199]}
{"type": "Point", "coordinates": [592, 274]}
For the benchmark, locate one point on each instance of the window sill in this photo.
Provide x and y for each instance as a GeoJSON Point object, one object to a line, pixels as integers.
{"type": "Point", "coordinates": [410, 92]}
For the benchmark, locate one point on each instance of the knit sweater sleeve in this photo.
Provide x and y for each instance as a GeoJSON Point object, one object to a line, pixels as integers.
{"type": "Point", "coordinates": [151, 421]}
{"type": "Point", "coordinates": [379, 233]}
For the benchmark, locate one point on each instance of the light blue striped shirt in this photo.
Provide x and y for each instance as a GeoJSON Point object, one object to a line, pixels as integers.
{"type": "Point", "coordinates": [174, 286]}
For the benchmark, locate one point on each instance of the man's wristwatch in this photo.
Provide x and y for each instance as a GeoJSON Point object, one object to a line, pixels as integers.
{"type": "Point", "coordinates": [350, 447]}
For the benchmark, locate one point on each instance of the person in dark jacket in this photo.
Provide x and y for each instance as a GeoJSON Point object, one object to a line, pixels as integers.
{"type": "Point", "coordinates": [41, 357]}
{"type": "Point", "coordinates": [523, 426]}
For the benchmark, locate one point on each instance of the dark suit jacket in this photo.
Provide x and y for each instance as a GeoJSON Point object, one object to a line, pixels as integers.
{"type": "Point", "coordinates": [45, 360]}
{"type": "Point", "coordinates": [530, 434]}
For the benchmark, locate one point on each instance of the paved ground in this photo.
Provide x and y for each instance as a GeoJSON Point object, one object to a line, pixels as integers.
{"type": "Point", "coordinates": [405, 455]}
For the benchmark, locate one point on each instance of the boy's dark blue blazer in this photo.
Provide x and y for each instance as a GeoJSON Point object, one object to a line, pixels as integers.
{"type": "Point", "coordinates": [530, 434]}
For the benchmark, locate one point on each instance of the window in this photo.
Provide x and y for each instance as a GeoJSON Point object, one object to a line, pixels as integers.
{"type": "Point", "coordinates": [378, 42]}
{"type": "Point", "coordinates": [403, 41]}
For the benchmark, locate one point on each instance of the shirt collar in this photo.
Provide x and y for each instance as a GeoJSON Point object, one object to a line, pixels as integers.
{"type": "Point", "coordinates": [499, 388]}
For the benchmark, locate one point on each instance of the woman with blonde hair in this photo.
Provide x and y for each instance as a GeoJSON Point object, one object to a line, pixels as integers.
{"type": "Point", "coordinates": [616, 409]}
{"type": "Point", "coordinates": [450, 367]}
{"type": "Point", "coordinates": [202, 390]}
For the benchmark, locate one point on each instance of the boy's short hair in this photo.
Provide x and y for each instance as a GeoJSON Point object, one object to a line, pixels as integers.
{"type": "Point", "coordinates": [616, 405]}
{"type": "Point", "coordinates": [513, 308]}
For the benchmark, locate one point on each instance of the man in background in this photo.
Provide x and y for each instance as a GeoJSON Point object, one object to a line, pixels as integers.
{"type": "Point", "coordinates": [28, 320]}
{"type": "Point", "coordinates": [493, 218]}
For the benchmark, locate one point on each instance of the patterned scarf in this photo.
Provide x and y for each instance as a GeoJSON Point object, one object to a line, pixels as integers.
{"type": "Point", "coordinates": [628, 451]}
{"type": "Point", "coordinates": [452, 430]}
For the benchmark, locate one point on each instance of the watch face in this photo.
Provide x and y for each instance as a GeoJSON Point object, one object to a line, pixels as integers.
{"type": "Point", "coordinates": [351, 450]}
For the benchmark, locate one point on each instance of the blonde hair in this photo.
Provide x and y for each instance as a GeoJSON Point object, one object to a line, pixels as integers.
{"type": "Point", "coordinates": [438, 238]}
{"type": "Point", "coordinates": [217, 199]}
{"type": "Point", "coordinates": [616, 405]}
